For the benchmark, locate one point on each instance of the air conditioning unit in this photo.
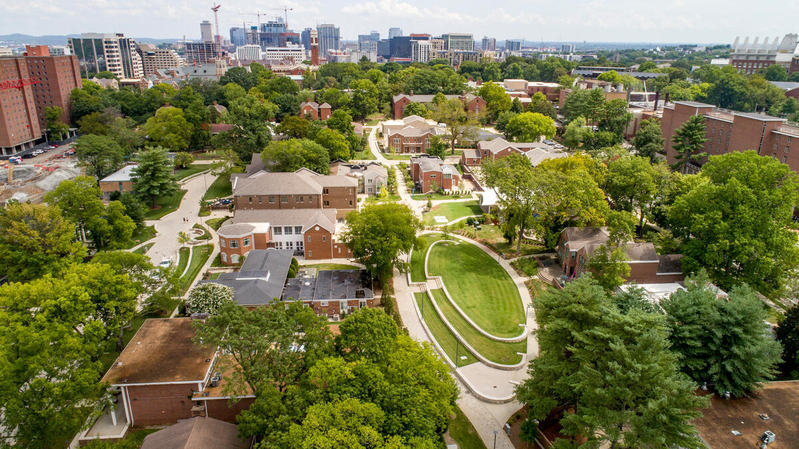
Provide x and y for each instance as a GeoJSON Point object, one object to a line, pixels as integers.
{"type": "Point", "coordinates": [767, 437]}
{"type": "Point", "coordinates": [214, 381]}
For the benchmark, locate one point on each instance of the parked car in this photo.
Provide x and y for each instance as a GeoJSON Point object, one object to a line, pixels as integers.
{"type": "Point", "coordinates": [166, 262]}
{"type": "Point", "coordinates": [28, 155]}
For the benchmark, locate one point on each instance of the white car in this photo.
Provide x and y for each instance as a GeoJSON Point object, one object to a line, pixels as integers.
{"type": "Point", "coordinates": [166, 262]}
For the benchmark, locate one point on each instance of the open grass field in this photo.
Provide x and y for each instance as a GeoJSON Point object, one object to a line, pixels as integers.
{"type": "Point", "coordinates": [365, 155]}
{"type": "Point", "coordinates": [417, 256]}
{"type": "Point", "coordinates": [143, 249]}
{"type": "Point", "coordinates": [499, 352]}
{"type": "Point", "coordinates": [165, 205]}
{"type": "Point", "coordinates": [199, 256]}
{"type": "Point", "coordinates": [184, 173]}
{"type": "Point", "coordinates": [216, 223]}
{"type": "Point", "coordinates": [452, 211]}
{"type": "Point", "coordinates": [493, 236]}
{"type": "Point", "coordinates": [480, 287]}
{"type": "Point", "coordinates": [462, 431]}
{"type": "Point", "coordinates": [183, 254]}
{"type": "Point", "coordinates": [443, 336]}
{"type": "Point", "coordinates": [220, 188]}
{"type": "Point", "coordinates": [141, 235]}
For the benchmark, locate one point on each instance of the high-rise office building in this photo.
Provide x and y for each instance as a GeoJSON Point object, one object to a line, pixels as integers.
{"type": "Point", "coordinates": [458, 41]}
{"type": "Point", "coordinates": [206, 32]}
{"type": "Point", "coordinates": [368, 42]}
{"type": "Point", "coordinates": [201, 52]}
{"type": "Point", "coordinates": [154, 58]}
{"type": "Point", "coordinates": [400, 47]}
{"type": "Point", "coordinates": [513, 45]}
{"type": "Point", "coordinates": [328, 38]}
{"type": "Point", "coordinates": [249, 52]}
{"type": "Point", "coordinates": [48, 81]}
{"type": "Point", "coordinates": [305, 38]}
{"type": "Point", "coordinates": [113, 52]}
{"type": "Point", "coordinates": [489, 43]}
{"type": "Point", "coordinates": [394, 32]}
{"type": "Point", "coordinates": [567, 48]}
{"type": "Point", "coordinates": [238, 36]}
{"type": "Point", "coordinates": [271, 31]}
{"type": "Point", "coordinates": [384, 48]}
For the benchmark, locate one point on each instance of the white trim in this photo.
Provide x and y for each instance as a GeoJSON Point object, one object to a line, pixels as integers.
{"type": "Point", "coordinates": [668, 274]}
{"type": "Point", "coordinates": [643, 261]}
{"type": "Point", "coordinates": [125, 406]}
{"type": "Point", "coordinates": [157, 383]}
{"type": "Point", "coordinates": [235, 236]}
{"type": "Point", "coordinates": [216, 398]}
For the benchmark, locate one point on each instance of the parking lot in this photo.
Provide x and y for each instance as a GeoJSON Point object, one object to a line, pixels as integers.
{"type": "Point", "coordinates": [43, 155]}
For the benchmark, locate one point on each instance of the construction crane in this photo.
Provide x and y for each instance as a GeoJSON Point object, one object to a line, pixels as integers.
{"type": "Point", "coordinates": [215, 9]}
{"type": "Point", "coordinates": [18, 83]}
{"type": "Point", "coordinates": [258, 25]}
{"type": "Point", "coordinates": [285, 10]}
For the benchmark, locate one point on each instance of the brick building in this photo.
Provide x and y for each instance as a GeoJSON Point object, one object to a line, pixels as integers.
{"type": "Point", "coordinates": [120, 181]}
{"type": "Point", "coordinates": [412, 140]}
{"type": "Point", "coordinates": [430, 171]}
{"type": "Point", "coordinates": [577, 245]}
{"type": "Point", "coordinates": [31, 83]}
{"type": "Point", "coordinates": [748, 57]}
{"type": "Point", "coordinates": [161, 375]}
{"type": "Point", "coordinates": [315, 110]}
{"type": "Point", "coordinates": [728, 131]}
{"type": "Point", "coordinates": [371, 176]}
{"type": "Point", "coordinates": [791, 89]}
{"type": "Point", "coordinates": [470, 102]}
{"type": "Point", "coordinates": [498, 148]}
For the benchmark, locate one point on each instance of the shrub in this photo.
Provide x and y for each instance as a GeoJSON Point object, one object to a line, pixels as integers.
{"type": "Point", "coordinates": [206, 298]}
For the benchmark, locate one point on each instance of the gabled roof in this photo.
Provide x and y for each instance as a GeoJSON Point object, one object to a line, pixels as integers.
{"type": "Point", "coordinates": [592, 238]}
{"type": "Point", "coordinates": [261, 277]}
{"type": "Point", "coordinates": [428, 163]}
{"type": "Point", "coordinates": [197, 433]}
{"type": "Point", "coordinates": [410, 131]}
{"type": "Point", "coordinates": [325, 218]}
{"type": "Point", "coordinates": [325, 106]}
{"type": "Point", "coordinates": [312, 104]}
{"type": "Point", "coordinates": [124, 174]}
{"type": "Point", "coordinates": [496, 145]}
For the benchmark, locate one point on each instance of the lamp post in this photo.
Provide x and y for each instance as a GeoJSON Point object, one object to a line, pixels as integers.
{"type": "Point", "coordinates": [457, 347]}
{"type": "Point", "coordinates": [495, 438]}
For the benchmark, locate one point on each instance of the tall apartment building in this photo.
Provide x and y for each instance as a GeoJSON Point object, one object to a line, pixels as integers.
{"type": "Point", "coordinates": [456, 57]}
{"type": "Point", "coordinates": [458, 41]}
{"type": "Point", "coordinates": [238, 36]}
{"type": "Point", "coordinates": [201, 52]}
{"type": "Point", "coordinates": [305, 39]}
{"type": "Point", "coordinates": [748, 57]}
{"type": "Point", "coordinates": [567, 48]}
{"type": "Point", "coordinates": [44, 81]}
{"type": "Point", "coordinates": [329, 38]}
{"type": "Point", "coordinates": [113, 52]}
{"type": "Point", "coordinates": [489, 43]}
{"type": "Point", "coordinates": [421, 51]}
{"type": "Point", "coordinates": [206, 31]}
{"type": "Point", "coordinates": [271, 31]}
{"type": "Point", "coordinates": [249, 52]}
{"type": "Point", "coordinates": [394, 32]}
{"type": "Point", "coordinates": [728, 131]}
{"type": "Point", "coordinates": [368, 42]}
{"type": "Point", "coordinates": [154, 58]}
{"type": "Point", "coordinates": [513, 45]}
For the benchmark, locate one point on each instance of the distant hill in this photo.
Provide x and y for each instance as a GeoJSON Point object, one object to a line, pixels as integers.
{"type": "Point", "coordinates": [26, 39]}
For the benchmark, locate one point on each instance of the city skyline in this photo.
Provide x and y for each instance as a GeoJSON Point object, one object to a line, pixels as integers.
{"type": "Point", "coordinates": [571, 21]}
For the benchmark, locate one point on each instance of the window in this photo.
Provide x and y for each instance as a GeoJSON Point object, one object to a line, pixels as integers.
{"type": "Point", "coordinates": [433, 176]}
{"type": "Point", "coordinates": [326, 203]}
{"type": "Point", "coordinates": [234, 243]}
{"type": "Point", "coordinates": [298, 230]}
{"type": "Point", "coordinates": [775, 147]}
{"type": "Point", "coordinates": [271, 199]}
{"type": "Point", "coordinates": [784, 158]}
{"type": "Point", "coordinates": [288, 230]}
{"type": "Point", "coordinates": [787, 148]}
{"type": "Point", "coordinates": [284, 199]}
{"type": "Point", "coordinates": [250, 200]}
{"type": "Point", "coordinates": [325, 191]}
{"type": "Point", "coordinates": [323, 303]}
{"type": "Point", "coordinates": [324, 238]}
{"type": "Point", "coordinates": [447, 176]}
{"type": "Point", "coordinates": [310, 199]}
{"type": "Point", "coordinates": [298, 199]}
{"type": "Point", "coordinates": [222, 242]}
{"type": "Point", "coordinates": [310, 254]}
{"type": "Point", "coordinates": [299, 245]}
{"type": "Point", "coordinates": [289, 245]}
{"type": "Point", "coordinates": [260, 200]}
{"type": "Point", "coordinates": [309, 239]}
{"type": "Point", "coordinates": [277, 230]}
{"type": "Point", "coordinates": [224, 257]}
{"type": "Point", "coordinates": [789, 139]}
{"type": "Point", "coordinates": [246, 242]}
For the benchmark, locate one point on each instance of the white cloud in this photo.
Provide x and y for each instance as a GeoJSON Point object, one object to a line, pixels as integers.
{"type": "Point", "coordinates": [384, 8]}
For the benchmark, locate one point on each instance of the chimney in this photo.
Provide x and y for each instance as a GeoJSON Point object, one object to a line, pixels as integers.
{"type": "Point", "coordinates": [657, 99]}
{"type": "Point", "coordinates": [214, 102]}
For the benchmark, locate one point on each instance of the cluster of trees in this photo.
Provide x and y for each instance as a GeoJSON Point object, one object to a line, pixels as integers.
{"type": "Point", "coordinates": [370, 386]}
{"type": "Point", "coordinates": [585, 108]}
{"type": "Point", "coordinates": [626, 373]}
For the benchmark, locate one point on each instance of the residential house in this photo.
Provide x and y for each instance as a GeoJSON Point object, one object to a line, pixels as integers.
{"type": "Point", "coordinates": [430, 173]}
{"type": "Point", "coordinates": [470, 102]}
{"type": "Point", "coordinates": [120, 181]}
{"type": "Point", "coordinates": [197, 433]}
{"type": "Point", "coordinates": [261, 278]}
{"type": "Point", "coordinates": [371, 176]}
{"type": "Point", "coordinates": [391, 126]}
{"type": "Point", "coordinates": [791, 88]}
{"type": "Point", "coordinates": [498, 148]}
{"type": "Point", "coordinates": [577, 245]}
{"type": "Point", "coordinates": [332, 292]}
{"type": "Point", "coordinates": [315, 111]}
{"type": "Point", "coordinates": [412, 140]}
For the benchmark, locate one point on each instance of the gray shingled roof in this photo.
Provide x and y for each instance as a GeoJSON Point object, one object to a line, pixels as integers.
{"type": "Point", "coordinates": [410, 131]}
{"type": "Point", "coordinates": [197, 433]}
{"type": "Point", "coordinates": [325, 218]}
{"type": "Point", "coordinates": [281, 217]}
{"type": "Point", "coordinates": [233, 230]}
{"type": "Point", "coordinates": [428, 163]}
{"type": "Point", "coordinates": [330, 285]}
{"type": "Point", "coordinates": [261, 278]}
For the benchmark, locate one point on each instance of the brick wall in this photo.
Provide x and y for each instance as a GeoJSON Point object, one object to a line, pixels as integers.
{"type": "Point", "coordinates": [673, 119]}
{"type": "Point", "coordinates": [157, 405]}
{"type": "Point", "coordinates": [399, 107]}
{"type": "Point", "coordinates": [318, 243]}
{"type": "Point", "coordinates": [278, 201]}
{"type": "Point", "coordinates": [324, 113]}
{"type": "Point", "coordinates": [309, 110]}
{"type": "Point", "coordinates": [223, 410]}
{"type": "Point", "coordinates": [241, 248]}
{"type": "Point", "coordinates": [344, 199]}
{"type": "Point", "coordinates": [414, 145]}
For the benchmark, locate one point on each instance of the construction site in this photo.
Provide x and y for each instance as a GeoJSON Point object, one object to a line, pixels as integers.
{"type": "Point", "coordinates": [31, 181]}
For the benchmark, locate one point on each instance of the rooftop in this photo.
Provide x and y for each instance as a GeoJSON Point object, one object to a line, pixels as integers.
{"type": "Point", "coordinates": [330, 285]}
{"type": "Point", "coordinates": [161, 351]}
{"type": "Point", "coordinates": [301, 182]}
{"type": "Point", "coordinates": [278, 217]}
{"type": "Point", "coordinates": [779, 401]}
{"type": "Point", "coordinates": [261, 278]}
{"type": "Point", "coordinates": [124, 174]}
{"type": "Point", "coordinates": [197, 433]}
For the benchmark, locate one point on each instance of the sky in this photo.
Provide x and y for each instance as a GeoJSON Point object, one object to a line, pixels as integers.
{"type": "Point", "coordinates": [650, 21]}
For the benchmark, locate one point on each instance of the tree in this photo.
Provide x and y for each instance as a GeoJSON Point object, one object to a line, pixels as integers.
{"type": "Point", "coordinates": [648, 141]}
{"type": "Point", "coordinates": [611, 76]}
{"type": "Point", "coordinates": [262, 344]}
{"type": "Point", "coordinates": [335, 143]}
{"type": "Point", "coordinates": [36, 240]}
{"type": "Point", "coordinates": [414, 108]}
{"type": "Point", "coordinates": [609, 261]}
{"type": "Point", "coordinates": [369, 333]}
{"type": "Point", "coordinates": [437, 147]}
{"type": "Point", "coordinates": [133, 208]}
{"type": "Point", "coordinates": [183, 159]}
{"type": "Point", "coordinates": [647, 66]}
{"type": "Point", "coordinates": [100, 155]}
{"type": "Point", "coordinates": [517, 106]}
{"type": "Point", "coordinates": [341, 121]}
{"type": "Point", "coordinates": [55, 126]}
{"type": "Point", "coordinates": [250, 133]}
{"type": "Point", "coordinates": [293, 127]}
{"type": "Point", "coordinates": [241, 76]}
{"type": "Point", "coordinates": [592, 359]}
{"type": "Point", "coordinates": [776, 72]}
{"type": "Point", "coordinates": [497, 100]}
{"type": "Point", "coordinates": [208, 298]}
{"type": "Point", "coordinates": [347, 423]}
{"type": "Point", "coordinates": [585, 103]}
{"type": "Point", "coordinates": [169, 128]}
{"type": "Point", "coordinates": [516, 181]}
{"type": "Point", "coordinates": [574, 134]}
{"type": "Point", "coordinates": [738, 224]}
{"type": "Point", "coordinates": [503, 119]}
{"type": "Point", "coordinates": [364, 98]}
{"type": "Point", "coordinates": [614, 116]}
{"type": "Point", "coordinates": [541, 105]}
{"type": "Point", "coordinates": [460, 124]}
{"type": "Point", "coordinates": [378, 234]}
{"type": "Point", "coordinates": [153, 176]}
{"type": "Point", "coordinates": [292, 155]}
{"type": "Point", "coordinates": [738, 354]}
{"type": "Point", "coordinates": [787, 333]}
{"type": "Point", "coordinates": [688, 141]}
{"type": "Point", "coordinates": [632, 183]}
{"type": "Point", "coordinates": [530, 127]}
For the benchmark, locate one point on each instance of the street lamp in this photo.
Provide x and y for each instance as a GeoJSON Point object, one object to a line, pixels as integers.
{"type": "Point", "coordinates": [457, 347]}
{"type": "Point", "coordinates": [495, 438]}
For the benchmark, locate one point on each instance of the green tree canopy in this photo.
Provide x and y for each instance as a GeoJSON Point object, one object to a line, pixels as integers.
{"type": "Point", "coordinates": [461, 124]}
{"type": "Point", "coordinates": [100, 155]}
{"type": "Point", "coordinates": [497, 100]}
{"type": "Point", "coordinates": [530, 127]}
{"type": "Point", "coordinates": [292, 155]}
{"type": "Point", "coordinates": [414, 108]}
{"type": "Point", "coordinates": [153, 176]}
{"type": "Point", "coordinates": [689, 140]}
{"type": "Point", "coordinates": [335, 143]}
{"type": "Point", "coordinates": [364, 98]}
{"type": "Point", "coordinates": [787, 333]}
{"type": "Point", "coordinates": [648, 141]}
{"type": "Point", "coordinates": [169, 128]}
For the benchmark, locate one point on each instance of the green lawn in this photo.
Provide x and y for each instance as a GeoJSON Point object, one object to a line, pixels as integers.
{"type": "Point", "coordinates": [480, 287]}
{"type": "Point", "coordinates": [184, 173]}
{"type": "Point", "coordinates": [365, 155]}
{"type": "Point", "coordinates": [216, 223]}
{"type": "Point", "coordinates": [333, 266]}
{"type": "Point", "coordinates": [144, 248]}
{"type": "Point", "coordinates": [141, 235]}
{"type": "Point", "coordinates": [165, 205]}
{"type": "Point", "coordinates": [206, 235]}
{"type": "Point", "coordinates": [441, 333]}
{"type": "Point", "coordinates": [199, 256]}
{"type": "Point", "coordinates": [499, 352]}
{"type": "Point", "coordinates": [494, 237]}
{"type": "Point", "coordinates": [209, 155]}
{"type": "Point", "coordinates": [388, 199]}
{"type": "Point", "coordinates": [183, 253]}
{"type": "Point", "coordinates": [452, 211]}
{"type": "Point", "coordinates": [214, 276]}
{"type": "Point", "coordinates": [220, 188]}
{"type": "Point", "coordinates": [418, 254]}
{"type": "Point", "coordinates": [462, 431]}
{"type": "Point", "coordinates": [527, 266]}
{"type": "Point", "coordinates": [438, 196]}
